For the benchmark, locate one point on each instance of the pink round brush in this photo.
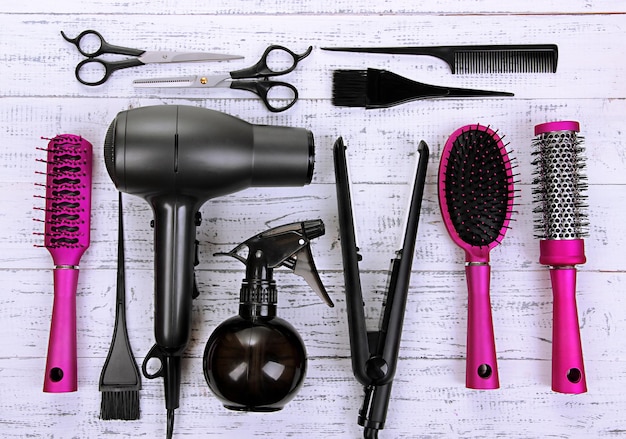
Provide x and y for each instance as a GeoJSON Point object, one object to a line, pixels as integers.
{"type": "Point", "coordinates": [558, 191]}
{"type": "Point", "coordinates": [476, 200]}
{"type": "Point", "coordinates": [66, 236]}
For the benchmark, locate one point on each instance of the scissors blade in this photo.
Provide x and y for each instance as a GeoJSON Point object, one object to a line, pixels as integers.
{"type": "Point", "coordinates": [168, 57]}
{"type": "Point", "coordinates": [191, 81]}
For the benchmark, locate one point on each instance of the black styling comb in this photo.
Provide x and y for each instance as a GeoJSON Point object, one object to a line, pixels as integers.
{"type": "Point", "coordinates": [518, 58]}
{"type": "Point", "coordinates": [373, 88]}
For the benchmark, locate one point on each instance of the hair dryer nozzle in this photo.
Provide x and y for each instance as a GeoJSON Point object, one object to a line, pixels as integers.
{"type": "Point", "coordinates": [283, 156]}
{"type": "Point", "coordinates": [166, 149]}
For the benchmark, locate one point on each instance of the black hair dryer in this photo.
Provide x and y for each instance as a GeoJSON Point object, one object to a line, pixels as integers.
{"type": "Point", "coordinates": [256, 361]}
{"type": "Point", "coordinates": [177, 158]}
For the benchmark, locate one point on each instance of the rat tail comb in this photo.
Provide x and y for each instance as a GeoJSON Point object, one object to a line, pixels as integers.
{"type": "Point", "coordinates": [66, 236]}
{"type": "Point", "coordinates": [561, 224]}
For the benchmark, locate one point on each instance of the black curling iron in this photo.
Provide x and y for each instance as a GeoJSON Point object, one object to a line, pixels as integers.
{"type": "Point", "coordinates": [375, 353]}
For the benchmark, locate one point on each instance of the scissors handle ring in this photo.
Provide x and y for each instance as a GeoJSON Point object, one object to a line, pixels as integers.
{"type": "Point", "coordinates": [103, 46]}
{"type": "Point", "coordinates": [109, 68]}
{"type": "Point", "coordinates": [262, 70]}
{"type": "Point", "coordinates": [263, 88]}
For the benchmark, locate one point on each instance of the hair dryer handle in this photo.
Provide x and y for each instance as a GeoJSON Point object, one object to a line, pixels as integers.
{"type": "Point", "coordinates": [174, 240]}
{"type": "Point", "coordinates": [481, 362]}
{"type": "Point", "coordinates": [568, 370]}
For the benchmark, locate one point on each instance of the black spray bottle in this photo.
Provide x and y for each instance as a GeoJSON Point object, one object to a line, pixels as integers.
{"type": "Point", "coordinates": [256, 361]}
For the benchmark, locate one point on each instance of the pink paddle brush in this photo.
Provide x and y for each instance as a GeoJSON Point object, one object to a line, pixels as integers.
{"type": "Point", "coordinates": [66, 236]}
{"type": "Point", "coordinates": [561, 226]}
{"type": "Point", "coordinates": [476, 200]}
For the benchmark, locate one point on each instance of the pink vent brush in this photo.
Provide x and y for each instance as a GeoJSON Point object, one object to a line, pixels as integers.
{"type": "Point", "coordinates": [476, 200]}
{"type": "Point", "coordinates": [66, 236]}
{"type": "Point", "coordinates": [561, 225]}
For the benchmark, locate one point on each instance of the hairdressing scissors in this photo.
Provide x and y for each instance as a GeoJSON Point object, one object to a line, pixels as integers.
{"type": "Point", "coordinates": [271, 92]}
{"type": "Point", "coordinates": [91, 48]}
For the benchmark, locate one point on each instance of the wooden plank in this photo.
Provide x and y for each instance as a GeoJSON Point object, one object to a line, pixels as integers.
{"type": "Point", "coordinates": [343, 7]}
{"type": "Point", "coordinates": [435, 322]}
{"type": "Point", "coordinates": [381, 144]}
{"type": "Point", "coordinates": [227, 222]}
{"type": "Point", "coordinates": [429, 400]}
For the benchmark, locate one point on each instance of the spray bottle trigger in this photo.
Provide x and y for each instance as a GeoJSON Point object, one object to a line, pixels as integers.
{"type": "Point", "coordinates": [303, 265]}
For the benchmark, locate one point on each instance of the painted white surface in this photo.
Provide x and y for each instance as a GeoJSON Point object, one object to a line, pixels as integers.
{"type": "Point", "coordinates": [40, 97]}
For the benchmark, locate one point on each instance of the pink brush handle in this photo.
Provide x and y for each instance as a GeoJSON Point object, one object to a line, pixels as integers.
{"type": "Point", "coordinates": [568, 370]}
{"type": "Point", "coordinates": [61, 368]}
{"type": "Point", "coordinates": [481, 364]}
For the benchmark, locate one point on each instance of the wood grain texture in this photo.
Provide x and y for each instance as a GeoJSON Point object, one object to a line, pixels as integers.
{"type": "Point", "coordinates": [40, 97]}
{"type": "Point", "coordinates": [326, 7]}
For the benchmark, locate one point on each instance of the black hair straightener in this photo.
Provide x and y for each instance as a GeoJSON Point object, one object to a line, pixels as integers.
{"type": "Point", "coordinates": [375, 353]}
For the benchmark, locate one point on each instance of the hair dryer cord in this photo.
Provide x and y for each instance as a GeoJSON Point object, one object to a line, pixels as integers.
{"type": "Point", "coordinates": [170, 423]}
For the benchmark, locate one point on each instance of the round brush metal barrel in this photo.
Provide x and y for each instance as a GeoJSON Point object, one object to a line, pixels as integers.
{"type": "Point", "coordinates": [561, 226]}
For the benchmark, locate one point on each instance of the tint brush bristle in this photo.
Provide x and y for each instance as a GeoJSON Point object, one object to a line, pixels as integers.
{"type": "Point", "coordinates": [350, 88]}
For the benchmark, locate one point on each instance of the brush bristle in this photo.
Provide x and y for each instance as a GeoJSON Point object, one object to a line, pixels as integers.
{"type": "Point", "coordinates": [559, 186]}
{"type": "Point", "coordinates": [68, 192]}
{"type": "Point", "coordinates": [478, 185]}
{"type": "Point", "coordinates": [68, 198]}
{"type": "Point", "coordinates": [116, 404]}
{"type": "Point", "coordinates": [350, 88]}
{"type": "Point", "coordinates": [505, 61]}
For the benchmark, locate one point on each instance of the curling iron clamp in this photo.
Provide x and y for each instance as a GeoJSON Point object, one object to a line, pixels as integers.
{"type": "Point", "coordinates": [375, 353]}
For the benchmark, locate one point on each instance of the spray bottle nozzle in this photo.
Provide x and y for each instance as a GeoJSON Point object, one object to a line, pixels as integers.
{"type": "Point", "coordinates": [287, 245]}
{"type": "Point", "coordinates": [313, 228]}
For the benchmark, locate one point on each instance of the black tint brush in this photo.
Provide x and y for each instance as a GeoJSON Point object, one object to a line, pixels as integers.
{"type": "Point", "coordinates": [373, 88]}
{"type": "Point", "coordinates": [470, 59]}
{"type": "Point", "coordinates": [120, 381]}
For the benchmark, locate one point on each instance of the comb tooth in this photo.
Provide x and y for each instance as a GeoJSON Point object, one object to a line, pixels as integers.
{"type": "Point", "coordinates": [504, 61]}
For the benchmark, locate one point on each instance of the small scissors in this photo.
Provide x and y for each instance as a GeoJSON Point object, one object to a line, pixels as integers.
{"type": "Point", "coordinates": [142, 56]}
{"type": "Point", "coordinates": [261, 85]}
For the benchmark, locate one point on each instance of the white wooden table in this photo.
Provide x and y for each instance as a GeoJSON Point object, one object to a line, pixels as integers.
{"type": "Point", "coordinates": [40, 97]}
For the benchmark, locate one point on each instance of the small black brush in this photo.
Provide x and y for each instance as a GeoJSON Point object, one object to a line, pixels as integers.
{"type": "Point", "coordinates": [120, 381]}
{"type": "Point", "coordinates": [373, 88]}
{"type": "Point", "coordinates": [471, 59]}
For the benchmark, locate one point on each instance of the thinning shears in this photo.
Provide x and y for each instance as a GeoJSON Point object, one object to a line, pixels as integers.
{"type": "Point", "coordinates": [91, 48]}
{"type": "Point", "coordinates": [272, 93]}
